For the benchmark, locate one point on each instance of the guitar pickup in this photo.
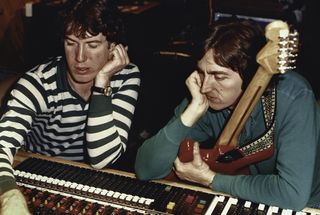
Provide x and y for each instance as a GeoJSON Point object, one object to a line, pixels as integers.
{"type": "Point", "coordinates": [230, 156]}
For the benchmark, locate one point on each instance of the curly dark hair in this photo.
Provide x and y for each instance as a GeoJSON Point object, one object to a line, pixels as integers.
{"type": "Point", "coordinates": [93, 16]}
{"type": "Point", "coordinates": [235, 44]}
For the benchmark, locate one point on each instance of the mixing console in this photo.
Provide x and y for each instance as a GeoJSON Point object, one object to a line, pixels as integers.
{"type": "Point", "coordinates": [57, 188]}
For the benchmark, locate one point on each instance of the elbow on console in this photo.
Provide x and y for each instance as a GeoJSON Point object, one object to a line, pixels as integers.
{"type": "Point", "coordinates": [296, 202]}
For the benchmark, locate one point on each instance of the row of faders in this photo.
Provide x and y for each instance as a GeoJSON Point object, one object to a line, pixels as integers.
{"type": "Point", "coordinates": [56, 188]}
{"type": "Point", "coordinates": [125, 194]}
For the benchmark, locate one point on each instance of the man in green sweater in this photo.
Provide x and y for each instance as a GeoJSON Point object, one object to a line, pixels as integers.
{"type": "Point", "coordinates": [289, 177]}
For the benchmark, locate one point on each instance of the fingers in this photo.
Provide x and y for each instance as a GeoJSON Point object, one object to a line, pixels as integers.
{"type": "Point", "coordinates": [178, 168]}
{"type": "Point", "coordinates": [120, 54]}
{"type": "Point", "coordinates": [117, 60]}
{"type": "Point", "coordinates": [177, 162]}
{"type": "Point", "coordinates": [192, 79]}
{"type": "Point", "coordinates": [193, 83]}
{"type": "Point", "coordinates": [195, 75]}
{"type": "Point", "coordinates": [197, 160]}
{"type": "Point", "coordinates": [198, 79]}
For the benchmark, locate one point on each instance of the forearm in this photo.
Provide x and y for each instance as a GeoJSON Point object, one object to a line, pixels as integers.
{"type": "Point", "coordinates": [267, 189]}
{"type": "Point", "coordinates": [287, 186]}
{"type": "Point", "coordinates": [103, 137]}
{"type": "Point", "coordinates": [109, 121]}
{"type": "Point", "coordinates": [156, 155]}
{"type": "Point", "coordinates": [192, 114]}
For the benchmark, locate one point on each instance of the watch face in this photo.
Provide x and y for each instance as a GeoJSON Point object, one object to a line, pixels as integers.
{"type": "Point", "coordinates": [108, 91]}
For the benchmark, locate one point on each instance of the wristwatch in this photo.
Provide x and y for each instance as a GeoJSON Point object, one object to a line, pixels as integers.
{"type": "Point", "coordinates": [107, 91]}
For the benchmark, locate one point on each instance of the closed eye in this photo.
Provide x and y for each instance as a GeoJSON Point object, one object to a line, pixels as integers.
{"type": "Point", "coordinates": [69, 42]}
{"type": "Point", "coordinates": [220, 77]}
{"type": "Point", "coordinates": [93, 45]}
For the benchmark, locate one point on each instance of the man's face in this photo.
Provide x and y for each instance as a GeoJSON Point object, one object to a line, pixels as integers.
{"type": "Point", "coordinates": [85, 56]}
{"type": "Point", "coordinates": [221, 85]}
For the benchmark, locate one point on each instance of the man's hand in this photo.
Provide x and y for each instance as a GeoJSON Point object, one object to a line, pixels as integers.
{"type": "Point", "coordinates": [118, 60]}
{"type": "Point", "coordinates": [195, 171]}
{"type": "Point", "coordinates": [199, 103]}
{"type": "Point", "coordinates": [13, 202]}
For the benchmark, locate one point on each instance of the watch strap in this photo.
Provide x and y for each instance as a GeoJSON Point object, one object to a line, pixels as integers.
{"type": "Point", "coordinates": [107, 91]}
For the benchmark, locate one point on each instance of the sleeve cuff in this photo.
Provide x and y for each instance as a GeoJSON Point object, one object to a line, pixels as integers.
{"type": "Point", "coordinates": [100, 104]}
{"type": "Point", "coordinates": [221, 183]}
{"type": "Point", "coordinates": [7, 183]}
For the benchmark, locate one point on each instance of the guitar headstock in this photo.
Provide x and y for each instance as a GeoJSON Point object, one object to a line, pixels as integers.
{"type": "Point", "coordinates": [281, 50]}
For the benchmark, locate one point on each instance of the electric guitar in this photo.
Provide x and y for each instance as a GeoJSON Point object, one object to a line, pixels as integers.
{"type": "Point", "coordinates": [277, 56]}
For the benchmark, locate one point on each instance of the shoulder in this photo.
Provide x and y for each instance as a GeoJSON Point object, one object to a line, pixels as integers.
{"type": "Point", "coordinates": [42, 77]}
{"type": "Point", "coordinates": [295, 96]}
{"type": "Point", "coordinates": [292, 85]}
{"type": "Point", "coordinates": [46, 69]}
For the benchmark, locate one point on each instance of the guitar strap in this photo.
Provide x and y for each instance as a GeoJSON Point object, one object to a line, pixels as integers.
{"type": "Point", "coordinates": [266, 140]}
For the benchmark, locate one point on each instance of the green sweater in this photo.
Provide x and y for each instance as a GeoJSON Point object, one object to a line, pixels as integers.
{"type": "Point", "coordinates": [289, 179]}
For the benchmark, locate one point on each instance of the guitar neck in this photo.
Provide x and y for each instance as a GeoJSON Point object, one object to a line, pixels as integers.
{"type": "Point", "coordinates": [244, 108]}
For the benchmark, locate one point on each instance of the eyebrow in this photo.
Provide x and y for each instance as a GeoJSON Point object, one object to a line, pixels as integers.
{"type": "Point", "coordinates": [218, 72]}
{"type": "Point", "coordinates": [92, 41]}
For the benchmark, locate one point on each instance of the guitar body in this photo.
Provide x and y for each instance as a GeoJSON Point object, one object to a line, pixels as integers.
{"type": "Point", "coordinates": [210, 156]}
{"type": "Point", "coordinates": [239, 166]}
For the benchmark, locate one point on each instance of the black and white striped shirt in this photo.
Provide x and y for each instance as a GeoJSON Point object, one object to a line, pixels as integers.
{"type": "Point", "coordinates": [46, 116]}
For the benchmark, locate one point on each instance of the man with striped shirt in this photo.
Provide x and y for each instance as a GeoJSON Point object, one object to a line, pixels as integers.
{"type": "Point", "coordinates": [78, 106]}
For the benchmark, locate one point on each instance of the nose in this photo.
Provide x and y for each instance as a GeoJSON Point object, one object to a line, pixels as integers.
{"type": "Point", "coordinates": [206, 86]}
{"type": "Point", "coordinates": [81, 54]}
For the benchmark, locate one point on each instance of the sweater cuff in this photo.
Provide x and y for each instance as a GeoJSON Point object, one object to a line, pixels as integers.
{"type": "Point", "coordinates": [221, 183]}
{"type": "Point", "coordinates": [7, 183]}
{"type": "Point", "coordinates": [176, 131]}
{"type": "Point", "coordinates": [100, 104]}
